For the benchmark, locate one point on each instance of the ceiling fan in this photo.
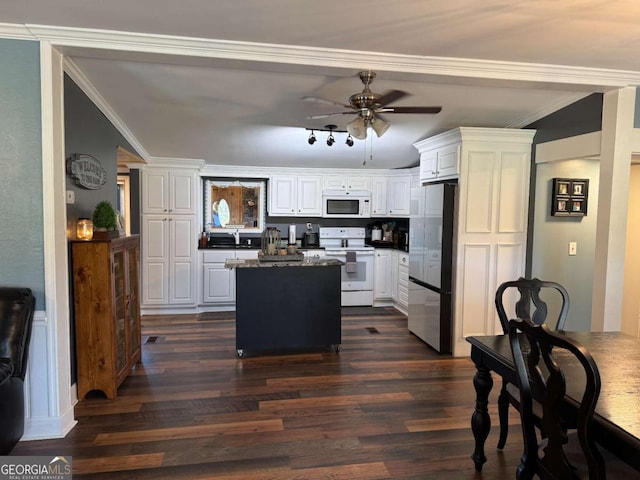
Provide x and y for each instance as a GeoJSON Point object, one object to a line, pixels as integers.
{"type": "Point", "coordinates": [368, 106]}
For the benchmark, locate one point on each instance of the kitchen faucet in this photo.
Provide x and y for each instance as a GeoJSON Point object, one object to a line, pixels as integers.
{"type": "Point", "coordinates": [236, 236]}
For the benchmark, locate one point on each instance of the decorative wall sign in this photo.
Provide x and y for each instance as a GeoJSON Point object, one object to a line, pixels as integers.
{"type": "Point", "coordinates": [569, 197]}
{"type": "Point", "coordinates": [87, 171]}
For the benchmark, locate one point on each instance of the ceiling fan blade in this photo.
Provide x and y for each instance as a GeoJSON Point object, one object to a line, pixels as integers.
{"type": "Point", "coordinates": [389, 97]}
{"type": "Point", "coordinates": [325, 115]}
{"type": "Point", "coordinates": [411, 109]}
{"type": "Point", "coordinates": [326, 102]}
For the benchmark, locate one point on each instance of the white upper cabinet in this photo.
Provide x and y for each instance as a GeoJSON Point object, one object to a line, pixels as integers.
{"type": "Point", "coordinates": [439, 163]}
{"type": "Point", "coordinates": [168, 191]}
{"type": "Point", "coordinates": [291, 195]}
{"type": "Point", "coordinates": [379, 197]}
{"type": "Point", "coordinates": [391, 196]}
{"type": "Point", "coordinates": [399, 195]}
{"type": "Point", "coordinates": [340, 182]}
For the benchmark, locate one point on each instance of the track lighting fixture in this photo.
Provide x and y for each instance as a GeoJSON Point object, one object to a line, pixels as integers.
{"type": "Point", "coordinates": [330, 138]}
{"type": "Point", "coordinates": [349, 140]}
{"type": "Point", "coordinates": [312, 138]}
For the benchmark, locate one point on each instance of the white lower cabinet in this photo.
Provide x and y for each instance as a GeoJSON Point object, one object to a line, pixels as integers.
{"type": "Point", "coordinates": [168, 260]}
{"type": "Point", "coordinates": [402, 301]}
{"type": "Point", "coordinates": [399, 279]}
{"type": "Point", "coordinates": [382, 275]}
{"type": "Point", "coordinates": [218, 282]}
{"type": "Point", "coordinates": [394, 275]}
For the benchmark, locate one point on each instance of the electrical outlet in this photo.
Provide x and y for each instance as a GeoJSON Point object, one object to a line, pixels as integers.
{"type": "Point", "coordinates": [71, 197]}
{"type": "Point", "coordinates": [573, 248]}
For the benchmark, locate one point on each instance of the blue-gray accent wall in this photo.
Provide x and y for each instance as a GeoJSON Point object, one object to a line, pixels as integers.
{"type": "Point", "coordinates": [88, 131]}
{"type": "Point", "coordinates": [21, 209]}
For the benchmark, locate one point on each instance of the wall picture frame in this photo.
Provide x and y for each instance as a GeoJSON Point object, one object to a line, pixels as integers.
{"type": "Point", "coordinates": [569, 197]}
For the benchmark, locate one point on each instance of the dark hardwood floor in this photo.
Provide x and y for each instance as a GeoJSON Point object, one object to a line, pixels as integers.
{"type": "Point", "coordinates": [385, 407]}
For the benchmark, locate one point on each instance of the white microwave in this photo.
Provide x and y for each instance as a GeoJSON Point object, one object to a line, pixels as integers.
{"type": "Point", "coordinates": [346, 204]}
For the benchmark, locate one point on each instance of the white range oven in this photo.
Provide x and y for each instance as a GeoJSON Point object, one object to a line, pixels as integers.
{"type": "Point", "coordinates": [347, 244]}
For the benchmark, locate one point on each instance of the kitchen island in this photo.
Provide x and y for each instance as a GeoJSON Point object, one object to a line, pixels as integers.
{"type": "Point", "coordinates": [287, 305]}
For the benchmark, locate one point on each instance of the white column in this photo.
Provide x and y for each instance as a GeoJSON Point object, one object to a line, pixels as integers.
{"type": "Point", "coordinates": [615, 164]}
{"type": "Point", "coordinates": [49, 406]}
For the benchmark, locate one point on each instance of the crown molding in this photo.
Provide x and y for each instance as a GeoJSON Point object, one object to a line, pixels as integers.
{"type": "Point", "coordinates": [87, 87]}
{"type": "Point", "coordinates": [170, 162]}
{"type": "Point", "coordinates": [11, 30]}
{"type": "Point", "coordinates": [244, 171]}
{"type": "Point", "coordinates": [595, 79]}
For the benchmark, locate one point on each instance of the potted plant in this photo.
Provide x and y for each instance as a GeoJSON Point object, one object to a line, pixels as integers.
{"type": "Point", "coordinates": [105, 221]}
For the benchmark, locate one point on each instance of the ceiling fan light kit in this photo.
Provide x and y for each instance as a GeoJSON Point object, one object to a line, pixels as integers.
{"type": "Point", "coordinates": [368, 106]}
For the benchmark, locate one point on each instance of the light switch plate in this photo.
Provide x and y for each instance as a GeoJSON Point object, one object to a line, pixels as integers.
{"type": "Point", "coordinates": [573, 248]}
{"type": "Point", "coordinates": [71, 197]}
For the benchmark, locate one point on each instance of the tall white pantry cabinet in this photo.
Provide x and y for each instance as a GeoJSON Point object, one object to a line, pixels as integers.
{"type": "Point", "coordinates": [493, 168]}
{"type": "Point", "coordinates": [169, 237]}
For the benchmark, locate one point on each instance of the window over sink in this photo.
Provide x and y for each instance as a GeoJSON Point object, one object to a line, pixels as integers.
{"type": "Point", "coordinates": [234, 205]}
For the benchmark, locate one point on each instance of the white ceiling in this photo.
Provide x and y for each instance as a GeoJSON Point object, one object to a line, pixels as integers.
{"type": "Point", "coordinates": [223, 80]}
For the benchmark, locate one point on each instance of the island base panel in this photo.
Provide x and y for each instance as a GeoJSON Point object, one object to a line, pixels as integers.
{"type": "Point", "coordinates": [287, 307]}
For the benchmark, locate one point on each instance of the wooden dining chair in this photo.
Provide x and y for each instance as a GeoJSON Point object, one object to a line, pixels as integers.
{"type": "Point", "coordinates": [539, 355]}
{"type": "Point", "coordinates": [529, 296]}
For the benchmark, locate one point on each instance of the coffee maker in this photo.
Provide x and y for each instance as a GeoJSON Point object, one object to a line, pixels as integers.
{"type": "Point", "coordinates": [310, 238]}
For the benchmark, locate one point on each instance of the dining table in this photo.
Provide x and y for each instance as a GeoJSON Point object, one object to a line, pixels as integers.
{"type": "Point", "coordinates": [616, 421]}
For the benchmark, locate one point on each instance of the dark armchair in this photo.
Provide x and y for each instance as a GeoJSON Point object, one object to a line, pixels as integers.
{"type": "Point", "coordinates": [16, 317]}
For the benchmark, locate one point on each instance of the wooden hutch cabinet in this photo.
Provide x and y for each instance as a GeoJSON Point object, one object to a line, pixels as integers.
{"type": "Point", "coordinates": [107, 312]}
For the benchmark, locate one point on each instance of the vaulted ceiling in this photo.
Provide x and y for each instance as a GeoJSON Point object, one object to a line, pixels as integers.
{"type": "Point", "coordinates": [223, 81]}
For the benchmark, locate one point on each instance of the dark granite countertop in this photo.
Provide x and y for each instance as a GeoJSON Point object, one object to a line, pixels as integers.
{"type": "Point", "coordinates": [307, 262]}
{"type": "Point", "coordinates": [247, 247]}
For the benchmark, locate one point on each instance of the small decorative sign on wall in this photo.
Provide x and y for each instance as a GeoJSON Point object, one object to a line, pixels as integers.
{"type": "Point", "coordinates": [569, 197]}
{"type": "Point", "coordinates": [87, 171]}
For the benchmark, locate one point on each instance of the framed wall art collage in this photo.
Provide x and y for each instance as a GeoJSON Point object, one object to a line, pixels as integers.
{"type": "Point", "coordinates": [569, 197]}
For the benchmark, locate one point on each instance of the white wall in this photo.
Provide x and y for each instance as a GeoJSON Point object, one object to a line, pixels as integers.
{"type": "Point", "coordinates": [551, 237]}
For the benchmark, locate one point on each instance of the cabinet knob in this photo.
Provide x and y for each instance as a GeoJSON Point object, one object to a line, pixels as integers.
{"type": "Point", "coordinates": [165, 210]}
